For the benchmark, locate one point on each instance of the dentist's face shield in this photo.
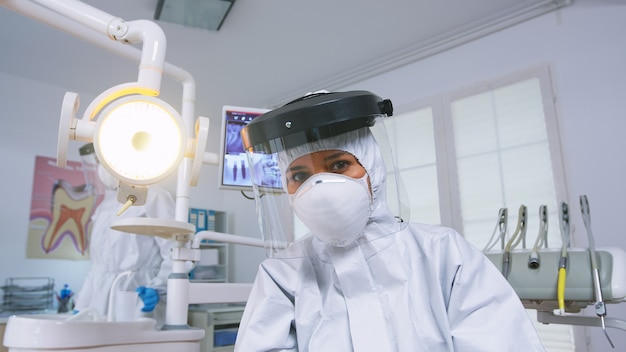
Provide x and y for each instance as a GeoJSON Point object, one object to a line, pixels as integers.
{"type": "Point", "coordinates": [323, 174]}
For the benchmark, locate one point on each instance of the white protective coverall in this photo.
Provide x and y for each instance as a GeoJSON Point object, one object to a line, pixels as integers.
{"type": "Point", "coordinates": [113, 252]}
{"type": "Point", "coordinates": [423, 288]}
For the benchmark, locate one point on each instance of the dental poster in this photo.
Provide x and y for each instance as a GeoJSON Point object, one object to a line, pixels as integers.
{"type": "Point", "coordinates": [61, 207]}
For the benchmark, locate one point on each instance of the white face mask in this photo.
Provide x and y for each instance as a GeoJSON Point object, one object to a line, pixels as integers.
{"type": "Point", "coordinates": [107, 179]}
{"type": "Point", "coordinates": [334, 207]}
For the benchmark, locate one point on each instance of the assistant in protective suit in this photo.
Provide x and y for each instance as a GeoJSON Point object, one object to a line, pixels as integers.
{"type": "Point", "coordinates": [113, 252]}
{"type": "Point", "coordinates": [363, 279]}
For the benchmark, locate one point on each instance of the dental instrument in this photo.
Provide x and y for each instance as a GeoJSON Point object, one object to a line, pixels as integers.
{"type": "Point", "coordinates": [554, 305]}
{"type": "Point", "coordinates": [501, 226]}
{"type": "Point", "coordinates": [599, 304]}
{"type": "Point", "coordinates": [542, 238]}
{"type": "Point", "coordinates": [562, 277]}
{"type": "Point", "coordinates": [518, 235]}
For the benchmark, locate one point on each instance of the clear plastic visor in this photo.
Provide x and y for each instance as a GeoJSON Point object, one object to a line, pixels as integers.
{"type": "Point", "coordinates": [328, 193]}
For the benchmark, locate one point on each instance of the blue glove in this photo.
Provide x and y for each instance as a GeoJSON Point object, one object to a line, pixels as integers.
{"type": "Point", "coordinates": [149, 296]}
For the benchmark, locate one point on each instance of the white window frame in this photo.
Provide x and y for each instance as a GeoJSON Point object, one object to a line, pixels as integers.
{"type": "Point", "coordinates": [448, 179]}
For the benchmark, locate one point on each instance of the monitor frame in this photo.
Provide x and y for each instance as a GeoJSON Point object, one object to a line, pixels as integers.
{"type": "Point", "coordinates": [226, 156]}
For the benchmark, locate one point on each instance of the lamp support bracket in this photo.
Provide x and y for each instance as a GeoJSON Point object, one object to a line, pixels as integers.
{"type": "Point", "coordinates": [117, 28]}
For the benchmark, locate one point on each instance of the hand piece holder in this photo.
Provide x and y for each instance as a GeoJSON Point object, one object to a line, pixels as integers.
{"type": "Point", "coordinates": [537, 288]}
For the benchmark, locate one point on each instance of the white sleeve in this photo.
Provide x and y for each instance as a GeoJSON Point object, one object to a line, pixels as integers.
{"type": "Point", "coordinates": [267, 322]}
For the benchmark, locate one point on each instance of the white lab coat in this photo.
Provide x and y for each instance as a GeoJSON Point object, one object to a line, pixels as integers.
{"type": "Point", "coordinates": [113, 252]}
{"type": "Point", "coordinates": [421, 289]}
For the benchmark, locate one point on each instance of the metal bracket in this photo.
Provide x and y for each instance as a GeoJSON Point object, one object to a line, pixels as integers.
{"type": "Point", "coordinates": [581, 320]}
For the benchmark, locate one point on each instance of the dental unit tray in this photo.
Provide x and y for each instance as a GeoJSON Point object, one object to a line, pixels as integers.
{"type": "Point", "coordinates": [537, 288]}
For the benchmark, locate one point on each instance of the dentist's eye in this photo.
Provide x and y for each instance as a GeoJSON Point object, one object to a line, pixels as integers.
{"type": "Point", "coordinates": [339, 166]}
{"type": "Point", "coordinates": [299, 177]}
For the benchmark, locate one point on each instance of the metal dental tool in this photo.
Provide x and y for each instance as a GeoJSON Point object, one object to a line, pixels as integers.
{"type": "Point", "coordinates": [518, 235]}
{"type": "Point", "coordinates": [542, 238]}
{"type": "Point", "coordinates": [564, 212]}
{"type": "Point", "coordinates": [501, 226]}
{"type": "Point", "coordinates": [599, 305]}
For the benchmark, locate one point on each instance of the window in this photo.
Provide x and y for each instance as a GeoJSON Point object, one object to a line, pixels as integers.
{"type": "Point", "coordinates": [466, 154]}
{"type": "Point", "coordinates": [503, 158]}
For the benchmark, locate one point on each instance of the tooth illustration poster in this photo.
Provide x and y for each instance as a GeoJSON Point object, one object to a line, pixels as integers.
{"type": "Point", "coordinates": [62, 203]}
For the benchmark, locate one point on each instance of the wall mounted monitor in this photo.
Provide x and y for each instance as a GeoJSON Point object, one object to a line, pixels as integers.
{"type": "Point", "coordinates": [234, 169]}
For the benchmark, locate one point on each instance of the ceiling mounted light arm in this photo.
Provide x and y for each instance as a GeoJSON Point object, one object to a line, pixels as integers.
{"type": "Point", "coordinates": [152, 52]}
{"type": "Point", "coordinates": [56, 14]}
{"type": "Point", "coordinates": [80, 12]}
{"type": "Point", "coordinates": [148, 32]}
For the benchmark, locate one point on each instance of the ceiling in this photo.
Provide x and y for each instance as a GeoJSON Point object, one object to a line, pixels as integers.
{"type": "Point", "coordinates": [266, 52]}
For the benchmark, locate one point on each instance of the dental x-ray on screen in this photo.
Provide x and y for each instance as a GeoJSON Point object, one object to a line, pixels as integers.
{"type": "Point", "coordinates": [234, 168]}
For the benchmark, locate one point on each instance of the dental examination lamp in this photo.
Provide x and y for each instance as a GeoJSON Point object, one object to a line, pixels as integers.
{"type": "Point", "coordinates": [138, 138]}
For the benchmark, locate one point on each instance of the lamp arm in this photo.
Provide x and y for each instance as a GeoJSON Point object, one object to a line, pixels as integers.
{"type": "Point", "coordinates": [89, 23]}
{"type": "Point", "coordinates": [152, 52]}
{"type": "Point", "coordinates": [152, 36]}
{"type": "Point", "coordinates": [80, 12]}
{"type": "Point", "coordinates": [226, 238]}
{"type": "Point", "coordinates": [189, 96]}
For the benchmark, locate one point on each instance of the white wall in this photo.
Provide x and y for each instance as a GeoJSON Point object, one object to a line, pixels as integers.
{"type": "Point", "coordinates": [30, 119]}
{"type": "Point", "coordinates": [584, 44]}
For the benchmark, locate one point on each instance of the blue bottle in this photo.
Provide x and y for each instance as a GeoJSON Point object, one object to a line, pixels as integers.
{"type": "Point", "coordinates": [64, 298]}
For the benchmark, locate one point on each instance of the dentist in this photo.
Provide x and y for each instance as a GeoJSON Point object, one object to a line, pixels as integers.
{"type": "Point", "coordinates": [363, 278]}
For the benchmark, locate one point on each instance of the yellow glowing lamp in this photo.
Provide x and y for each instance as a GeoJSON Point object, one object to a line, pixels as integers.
{"type": "Point", "coordinates": [139, 139]}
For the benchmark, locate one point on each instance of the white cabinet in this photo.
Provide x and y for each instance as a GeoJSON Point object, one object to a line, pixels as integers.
{"type": "Point", "coordinates": [220, 323]}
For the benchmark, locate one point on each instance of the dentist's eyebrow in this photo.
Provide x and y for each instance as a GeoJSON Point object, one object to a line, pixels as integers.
{"type": "Point", "coordinates": [296, 168]}
{"type": "Point", "coordinates": [336, 155]}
